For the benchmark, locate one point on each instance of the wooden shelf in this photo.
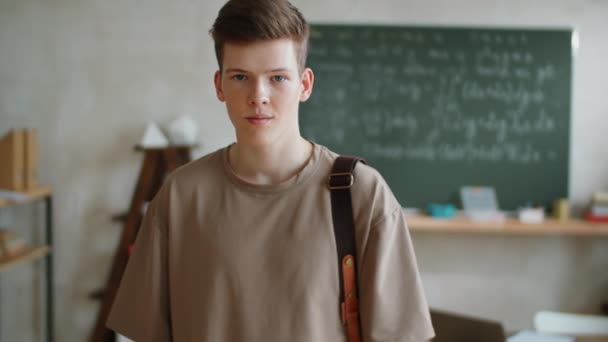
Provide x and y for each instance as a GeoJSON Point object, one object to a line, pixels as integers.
{"type": "Point", "coordinates": [419, 223]}
{"type": "Point", "coordinates": [28, 254]}
{"type": "Point", "coordinates": [32, 195]}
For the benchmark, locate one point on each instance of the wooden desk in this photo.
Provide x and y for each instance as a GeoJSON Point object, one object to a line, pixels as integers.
{"type": "Point", "coordinates": [461, 224]}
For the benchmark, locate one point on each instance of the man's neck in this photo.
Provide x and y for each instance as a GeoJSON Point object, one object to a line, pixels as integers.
{"type": "Point", "coordinates": [267, 165]}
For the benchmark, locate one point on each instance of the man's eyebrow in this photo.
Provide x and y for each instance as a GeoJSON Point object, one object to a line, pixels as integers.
{"type": "Point", "coordinates": [236, 70]}
{"type": "Point", "coordinates": [280, 70]}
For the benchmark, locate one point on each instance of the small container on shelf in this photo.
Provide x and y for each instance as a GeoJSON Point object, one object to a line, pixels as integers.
{"type": "Point", "coordinates": [561, 209]}
{"type": "Point", "coordinates": [438, 210]}
{"type": "Point", "coordinates": [531, 215]}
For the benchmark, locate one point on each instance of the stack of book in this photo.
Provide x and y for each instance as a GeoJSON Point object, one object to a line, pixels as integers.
{"type": "Point", "coordinates": [598, 210]}
{"type": "Point", "coordinates": [19, 155]}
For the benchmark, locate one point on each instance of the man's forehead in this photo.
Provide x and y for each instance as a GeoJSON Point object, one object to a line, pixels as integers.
{"type": "Point", "coordinates": [261, 44]}
{"type": "Point", "coordinates": [260, 56]}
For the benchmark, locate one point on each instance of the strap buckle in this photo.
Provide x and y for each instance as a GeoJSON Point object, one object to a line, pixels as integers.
{"type": "Point", "coordinates": [340, 180]}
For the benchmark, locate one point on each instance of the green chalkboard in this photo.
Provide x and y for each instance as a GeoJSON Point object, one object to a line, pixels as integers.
{"type": "Point", "coordinates": [437, 108]}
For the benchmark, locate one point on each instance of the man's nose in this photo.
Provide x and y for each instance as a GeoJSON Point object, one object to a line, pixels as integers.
{"type": "Point", "coordinates": [259, 94]}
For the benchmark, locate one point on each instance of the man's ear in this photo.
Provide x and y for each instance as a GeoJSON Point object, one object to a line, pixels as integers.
{"type": "Point", "coordinates": [217, 80]}
{"type": "Point", "coordinates": [308, 80]}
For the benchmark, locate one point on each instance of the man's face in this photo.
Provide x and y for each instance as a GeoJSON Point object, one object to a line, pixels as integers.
{"type": "Point", "coordinates": [262, 88]}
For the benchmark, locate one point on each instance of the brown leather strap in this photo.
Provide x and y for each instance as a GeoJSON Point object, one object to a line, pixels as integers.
{"type": "Point", "coordinates": [350, 307]}
{"type": "Point", "coordinates": [340, 182]}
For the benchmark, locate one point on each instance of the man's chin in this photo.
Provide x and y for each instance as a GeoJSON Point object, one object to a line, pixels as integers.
{"type": "Point", "coordinates": [256, 141]}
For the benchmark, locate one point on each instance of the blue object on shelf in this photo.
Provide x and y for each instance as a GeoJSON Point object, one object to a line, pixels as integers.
{"type": "Point", "coordinates": [441, 210]}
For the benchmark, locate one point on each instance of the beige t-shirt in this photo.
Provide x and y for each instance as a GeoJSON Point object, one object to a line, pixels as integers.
{"type": "Point", "coordinates": [218, 259]}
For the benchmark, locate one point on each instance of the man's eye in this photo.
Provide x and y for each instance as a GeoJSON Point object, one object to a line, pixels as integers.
{"type": "Point", "coordinates": [239, 77]}
{"type": "Point", "coordinates": [279, 78]}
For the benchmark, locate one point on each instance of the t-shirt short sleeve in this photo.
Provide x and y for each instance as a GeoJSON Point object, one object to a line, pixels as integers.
{"type": "Point", "coordinates": [140, 309]}
{"type": "Point", "coordinates": [393, 304]}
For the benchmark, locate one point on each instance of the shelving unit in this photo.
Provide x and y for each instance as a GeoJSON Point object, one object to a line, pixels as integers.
{"type": "Point", "coordinates": [510, 226]}
{"type": "Point", "coordinates": [32, 253]}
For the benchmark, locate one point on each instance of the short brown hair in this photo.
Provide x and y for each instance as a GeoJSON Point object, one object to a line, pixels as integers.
{"type": "Point", "coordinates": [247, 21]}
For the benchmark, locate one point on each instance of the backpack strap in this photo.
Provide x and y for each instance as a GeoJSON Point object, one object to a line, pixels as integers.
{"type": "Point", "coordinates": [339, 183]}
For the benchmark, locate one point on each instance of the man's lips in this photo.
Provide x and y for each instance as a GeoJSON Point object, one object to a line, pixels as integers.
{"type": "Point", "coordinates": [259, 120]}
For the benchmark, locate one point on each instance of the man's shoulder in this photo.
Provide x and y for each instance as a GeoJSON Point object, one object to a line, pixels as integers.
{"type": "Point", "coordinates": [371, 185]}
{"type": "Point", "coordinates": [200, 171]}
{"type": "Point", "coordinates": [370, 190]}
{"type": "Point", "coordinates": [366, 176]}
{"type": "Point", "coordinates": [211, 160]}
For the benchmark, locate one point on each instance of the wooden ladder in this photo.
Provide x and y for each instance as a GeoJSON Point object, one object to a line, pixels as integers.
{"type": "Point", "coordinates": [158, 162]}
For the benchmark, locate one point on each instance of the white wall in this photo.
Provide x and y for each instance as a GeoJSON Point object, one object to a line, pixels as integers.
{"type": "Point", "coordinates": [90, 74]}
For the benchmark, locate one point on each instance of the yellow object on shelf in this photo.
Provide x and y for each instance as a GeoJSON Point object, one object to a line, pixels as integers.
{"type": "Point", "coordinates": [561, 209]}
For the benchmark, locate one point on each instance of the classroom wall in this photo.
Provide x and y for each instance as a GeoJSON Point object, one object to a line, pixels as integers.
{"type": "Point", "coordinates": [90, 74]}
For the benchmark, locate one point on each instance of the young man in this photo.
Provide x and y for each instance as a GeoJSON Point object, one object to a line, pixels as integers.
{"type": "Point", "coordinates": [239, 246]}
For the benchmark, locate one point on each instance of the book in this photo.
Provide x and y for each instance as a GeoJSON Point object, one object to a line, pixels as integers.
{"type": "Point", "coordinates": [19, 148]}
{"type": "Point", "coordinates": [30, 167]}
{"type": "Point", "coordinates": [593, 218]}
{"type": "Point", "coordinates": [599, 210]}
{"type": "Point", "coordinates": [600, 197]}
{"type": "Point", "coordinates": [11, 152]}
